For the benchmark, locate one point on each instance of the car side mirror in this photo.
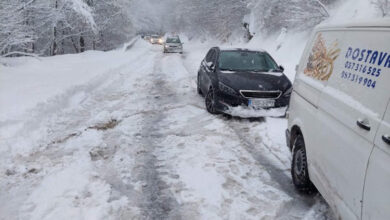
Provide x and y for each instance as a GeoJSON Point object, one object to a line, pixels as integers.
{"type": "Point", "coordinates": [296, 68]}
{"type": "Point", "coordinates": [281, 68]}
{"type": "Point", "coordinates": [211, 66]}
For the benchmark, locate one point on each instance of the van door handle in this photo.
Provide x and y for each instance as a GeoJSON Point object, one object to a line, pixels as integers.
{"type": "Point", "coordinates": [386, 139]}
{"type": "Point", "coordinates": [364, 124]}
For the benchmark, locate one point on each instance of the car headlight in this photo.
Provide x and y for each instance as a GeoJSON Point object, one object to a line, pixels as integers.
{"type": "Point", "coordinates": [226, 89]}
{"type": "Point", "coordinates": [288, 92]}
{"type": "Point", "coordinates": [160, 41]}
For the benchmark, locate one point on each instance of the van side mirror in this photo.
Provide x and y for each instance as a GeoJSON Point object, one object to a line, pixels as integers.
{"type": "Point", "coordinates": [281, 68]}
{"type": "Point", "coordinates": [296, 68]}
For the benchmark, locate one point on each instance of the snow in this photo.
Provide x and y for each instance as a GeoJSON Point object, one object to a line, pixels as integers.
{"type": "Point", "coordinates": [245, 112]}
{"type": "Point", "coordinates": [132, 139]}
{"type": "Point", "coordinates": [352, 10]}
{"type": "Point", "coordinates": [85, 11]}
{"type": "Point", "coordinates": [123, 135]}
{"type": "Point", "coordinates": [25, 82]}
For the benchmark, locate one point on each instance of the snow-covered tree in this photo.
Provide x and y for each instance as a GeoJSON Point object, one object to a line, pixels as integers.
{"type": "Point", "coordinates": [50, 27]}
{"type": "Point", "coordinates": [15, 33]}
{"type": "Point", "coordinates": [272, 16]}
{"type": "Point", "coordinates": [383, 6]}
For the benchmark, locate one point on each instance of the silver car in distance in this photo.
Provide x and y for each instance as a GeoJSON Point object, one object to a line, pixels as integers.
{"type": "Point", "coordinates": [173, 45]}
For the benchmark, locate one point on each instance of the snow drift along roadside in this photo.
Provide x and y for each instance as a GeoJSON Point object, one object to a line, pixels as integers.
{"type": "Point", "coordinates": [26, 81]}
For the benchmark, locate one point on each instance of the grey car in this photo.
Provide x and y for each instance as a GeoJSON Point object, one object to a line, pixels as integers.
{"type": "Point", "coordinates": [173, 45]}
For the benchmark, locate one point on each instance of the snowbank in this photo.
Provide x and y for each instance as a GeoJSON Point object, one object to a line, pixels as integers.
{"type": "Point", "coordinates": [25, 82]}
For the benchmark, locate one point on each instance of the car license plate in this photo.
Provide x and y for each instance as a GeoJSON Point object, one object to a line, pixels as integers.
{"type": "Point", "coordinates": [261, 103]}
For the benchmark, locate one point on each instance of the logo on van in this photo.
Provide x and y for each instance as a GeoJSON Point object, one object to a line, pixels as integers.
{"type": "Point", "coordinates": [321, 60]}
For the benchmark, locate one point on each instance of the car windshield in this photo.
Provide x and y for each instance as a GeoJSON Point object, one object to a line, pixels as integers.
{"type": "Point", "coordinates": [246, 61]}
{"type": "Point", "coordinates": [173, 40]}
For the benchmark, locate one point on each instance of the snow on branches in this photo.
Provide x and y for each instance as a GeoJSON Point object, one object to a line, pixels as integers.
{"type": "Point", "coordinates": [51, 27]}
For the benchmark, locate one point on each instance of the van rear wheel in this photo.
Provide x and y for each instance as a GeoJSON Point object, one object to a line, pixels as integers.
{"type": "Point", "coordinates": [299, 168]}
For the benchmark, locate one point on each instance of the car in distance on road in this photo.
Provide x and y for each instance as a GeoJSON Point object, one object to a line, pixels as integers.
{"type": "Point", "coordinates": [173, 45]}
{"type": "Point", "coordinates": [230, 78]}
{"type": "Point", "coordinates": [339, 119]}
{"type": "Point", "coordinates": [156, 39]}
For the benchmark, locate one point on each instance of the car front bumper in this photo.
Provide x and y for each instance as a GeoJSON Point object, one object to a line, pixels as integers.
{"type": "Point", "coordinates": [224, 102]}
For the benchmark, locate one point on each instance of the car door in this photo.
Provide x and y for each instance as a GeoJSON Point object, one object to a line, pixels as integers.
{"type": "Point", "coordinates": [202, 71]}
{"type": "Point", "coordinates": [350, 111]}
{"type": "Point", "coordinates": [376, 199]}
{"type": "Point", "coordinates": [206, 70]}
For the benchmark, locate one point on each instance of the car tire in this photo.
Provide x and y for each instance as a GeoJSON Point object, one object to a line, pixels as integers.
{"type": "Point", "coordinates": [210, 102]}
{"type": "Point", "coordinates": [198, 87]}
{"type": "Point", "coordinates": [299, 168]}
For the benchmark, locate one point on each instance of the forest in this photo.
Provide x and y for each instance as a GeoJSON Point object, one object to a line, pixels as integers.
{"type": "Point", "coordinates": [52, 27]}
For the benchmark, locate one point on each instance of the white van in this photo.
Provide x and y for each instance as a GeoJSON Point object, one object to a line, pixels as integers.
{"type": "Point", "coordinates": [339, 119]}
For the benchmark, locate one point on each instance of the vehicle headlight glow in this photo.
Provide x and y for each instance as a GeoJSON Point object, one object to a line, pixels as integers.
{"type": "Point", "coordinates": [160, 41]}
{"type": "Point", "coordinates": [226, 89]}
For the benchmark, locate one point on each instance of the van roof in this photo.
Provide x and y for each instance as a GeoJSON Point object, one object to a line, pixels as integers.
{"type": "Point", "coordinates": [373, 23]}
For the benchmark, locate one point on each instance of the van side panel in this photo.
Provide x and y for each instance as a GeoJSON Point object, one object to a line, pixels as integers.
{"type": "Point", "coordinates": [356, 94]}
{"type": "Point", "coordinates": [345, 77]}
{"type": "Point", "coordinates": [376, 199]}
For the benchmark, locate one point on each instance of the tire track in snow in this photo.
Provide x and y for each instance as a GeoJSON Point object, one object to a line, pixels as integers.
{"type": "Point", "coordinates": [158, 203]}
{"type": "Point", "coordinates": [298, 202]}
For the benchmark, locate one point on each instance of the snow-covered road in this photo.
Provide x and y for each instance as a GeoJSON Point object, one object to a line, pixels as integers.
{"type": "Point", "coordinates": [137, 143]}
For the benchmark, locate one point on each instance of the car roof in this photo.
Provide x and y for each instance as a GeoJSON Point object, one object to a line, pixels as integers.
{"type": "Point", "coordinates": [240, 49]}
{"type": "Point", "coordinates": [367, 23]}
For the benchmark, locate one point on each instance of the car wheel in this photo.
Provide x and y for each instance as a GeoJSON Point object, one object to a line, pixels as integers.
{"type": "Point", "coordinates": [210, 101]}
{"type": "Point", "coordinates": [198, 87]}
{"type": "Point", "coordinates": [299, 168]}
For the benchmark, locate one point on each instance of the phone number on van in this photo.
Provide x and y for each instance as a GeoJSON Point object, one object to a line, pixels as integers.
{"type": "Point", "coordinates": [364, 81]}
{"type": "Point", "coordinates": [363, 69]}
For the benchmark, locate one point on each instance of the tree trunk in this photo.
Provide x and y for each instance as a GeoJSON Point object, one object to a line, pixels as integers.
{"type": "Point", "coordinates": [54, 46]}
{"type": "Point", "coordinates": [74, 45]}
{"type": "Point", "coordinates": [82, 44]}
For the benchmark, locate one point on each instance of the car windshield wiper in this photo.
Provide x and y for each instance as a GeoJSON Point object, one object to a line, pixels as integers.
{"type": "Point", "coordinates": [228, 69]}
{"type": "Point", "coordinates": [264, 70]}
